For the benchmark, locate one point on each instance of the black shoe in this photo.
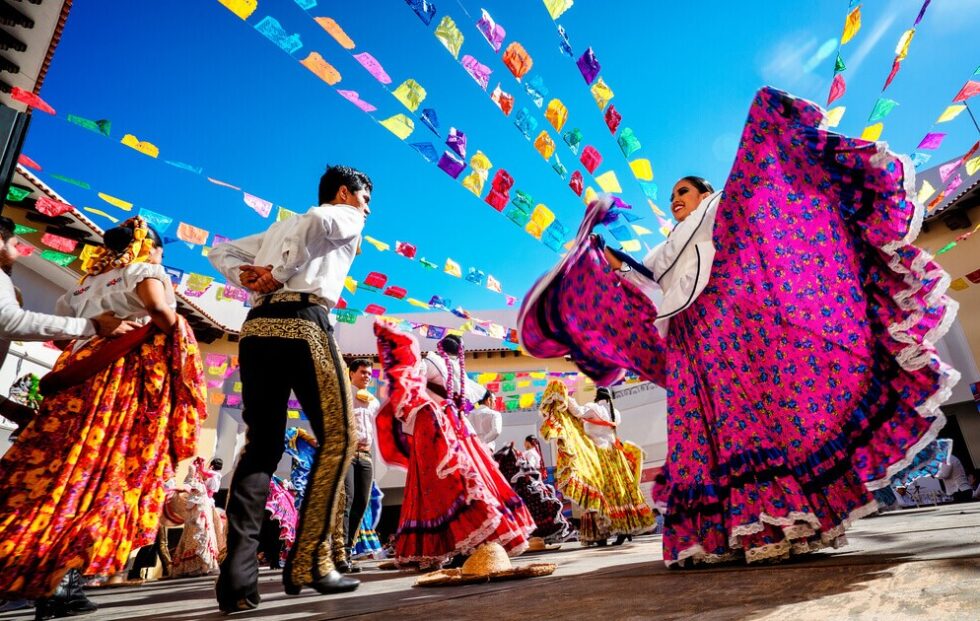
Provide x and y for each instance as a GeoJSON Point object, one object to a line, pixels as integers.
{"type": "Point", "coordinates": [229, 603]}
{"type": "Point", "coordinates": [332, 583]}
{"type": "Point", "coordinates": [68, 600]}
{"type": "Point", "coordinates": [601, 543]}
{"type": "Point", "coordinates": [77, 603]}
{"type": "Point", "coordinates": [345, 567]}
{"type": "Point", "coordinates": [621, 539]}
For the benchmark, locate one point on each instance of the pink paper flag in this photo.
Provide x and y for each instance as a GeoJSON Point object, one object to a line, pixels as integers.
{"type": "Point", "coordinates": [30, 99]}
{"type": "Point", "coordinates": [954, 184]}
{"type": "Point", "coordinates": [896, 65]}
{"type": "Point", "coordinates": [58, 242]}
{"type": "Point", "coordinates": [27, 162]}
{"type": "Point", "coordinates": [51, 207]}
{"type": "Point", "coordinates": [946, 170]}
{"type": "Point", "coordinates": [932, 140]}
{"type": "Point", "coordinates": [837, 88]}
{"type": "Point", "coordinates": [373, 66]}
{"type": "Point", "coordinates": [261, 206]}
{"type": "Point", "coordinates": [969, 89]}
{"type": "Point", "coordinates": [355, 99]}
{"type": "Point", "coordinates": [510, 300]}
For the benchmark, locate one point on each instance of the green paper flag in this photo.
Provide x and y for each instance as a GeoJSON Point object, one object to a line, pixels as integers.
{"type": "Point", "coordinates": [628, 143]}
{"type": "Point", "coordinates": [946, 248]}
{"type": "Point", "coordinates": [20, 229]}
{"type": "Point", "coordinates": [80, 184]}
{"type": "Point", "coordinates": [16, 194]}
{"type": "Point", "coordinates": [510, 386]}
{"type": "Point", "coordinates": [102, 126]}
{"type": "Point", "coordinates": [428, 264]}
{"type": "Point", "coordinates": [839, 64]}
{"type": "Point", "coordinates": [59, 258]}
{"type": "Point", "coordinates": [346, 315]}
{"type": "Point", "coordinates": [882, 108]}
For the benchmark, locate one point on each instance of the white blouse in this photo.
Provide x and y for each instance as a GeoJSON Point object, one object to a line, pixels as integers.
{"type": "Point", "coordinates": [604, 436]}
{"type": "Point", "coordinates": [681, 265]}
{"type": "Point", "coordinates": [115, 291]}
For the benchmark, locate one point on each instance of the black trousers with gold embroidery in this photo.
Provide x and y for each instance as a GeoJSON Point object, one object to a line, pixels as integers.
{"type": "Point", "coordinates": [288, 347]}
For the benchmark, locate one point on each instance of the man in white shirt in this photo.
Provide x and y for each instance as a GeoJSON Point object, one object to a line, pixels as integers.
{"type": "Point", "coordinates": [295, 272]}
{"type": "Point", "coordinates": [487, 422]}
{"type": "Point", "coordinates": [17, 324]}
{"type": "Point", "coordinates": [360, 474]}
{"type": "Point", "coordinates": [954, 480]}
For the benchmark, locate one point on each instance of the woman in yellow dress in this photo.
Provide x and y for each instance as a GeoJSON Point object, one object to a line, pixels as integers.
{"type": "Point", "coordinates": [595, 469]}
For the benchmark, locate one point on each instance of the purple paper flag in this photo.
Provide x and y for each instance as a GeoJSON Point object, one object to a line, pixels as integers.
{"type": "Point", "coordinates": [452, 165]}
{"type": "Point", "coordinates": [478, 71]}
{"type": "Point", "coordinates": [492, 31]}
{"type": "Point", "coordinates": [932, 141]}
{"type": "Point", "coordinates": [457, 141]}
{"type": "Point", "coordinates": [956, 182]}
{"type": "Point", "coordinates": [946, 170]}
{"type": "Point", "coordinates": [373, 66]}
{"type": "Point", "coordinates": [355, 99]}
{"type": "Point", "coordinates": [588, 64]}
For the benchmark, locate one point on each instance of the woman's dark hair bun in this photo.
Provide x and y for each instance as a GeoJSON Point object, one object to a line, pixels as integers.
{"type": "Point", "coordinates": [118, 239]}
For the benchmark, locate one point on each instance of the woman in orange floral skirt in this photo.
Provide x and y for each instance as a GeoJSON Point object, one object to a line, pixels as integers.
{"type": "Point", "coordinates": [83, 485]}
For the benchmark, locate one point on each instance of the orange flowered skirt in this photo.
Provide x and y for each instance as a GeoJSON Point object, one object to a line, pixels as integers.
{"type": "Point", "coordinates": [83, 485]}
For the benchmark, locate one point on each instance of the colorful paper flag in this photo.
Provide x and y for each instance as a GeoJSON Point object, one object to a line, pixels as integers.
{"type": "Point", "coordinates": [335, 31]}
{"type": "Point", "coordinates": [116, 202]}
{"type": "Point", "coordinates": [557, 7]}
{"type": "Point", "coordinates": [102, 126]}
{"type": "Point", "coordinates": [355, 98]}
{"type": "Point", "coordinates": [834, 116]}
{"type": "Point", "coordinates": [453, 268]}
{"type": "Point", "coordinates": [400, 125]}
{"type": "Point", "coordinates": [883, 107]}
{"type": "Point", "coordinates": [30, 99]}
{"type": "Point", "coordinates": [851, 25]}
{"type": "Point", "coordinates": [145, 147]}
{"type": "Point", "coordinates": [493, 32]}
{"type": "Point", "coordinates": [273, 31]}
{"type": "Point", "coordinates": [837, 89]}
{"type": "Point", "coordinates": [51, 207]}
{"type": "Point", "coordinates": [260, 206]}
{"type": "Point", "coordinates": [410, 93]}
{"type": "Point", "coordinates": [449, 35]}
{"type": "Point", "coordinates": [478, 71]}
{"type": "Point", "coordinates": [601, 93]}
{"type": "Point", "coordinates": [608, 182]}
{"type": "Point", "coordinates": [321, 68]}
{"type": "Point", "coordinates": [379, 245]}
{"type": "Point", "coordinates": [925, 192]}
{"type": "Point", "coordinates": [517, 60]}
{"type": "Point", "coordinates": [192, 234]}
{"type": "Point", "coordinates": [373, 67]}
{"type": "Point", "coordinates": [242, 8]}
{"type": "Point", "coordinates": [970, 89]}
{"type": "Point", "coordinates": [64, 244]}
{"type": "Point", "coordinates": [642, 169]}
{"type": "Point", "coordinates": [58, 258]}
{"type": "Point", "coordinates": [872, 132]}
{"type": "Point", "coordinates": [931, 141]}
{"type": "Point", "coordinates": [99, 212]}
{"type": "Point", "coordinates": [950, 113]}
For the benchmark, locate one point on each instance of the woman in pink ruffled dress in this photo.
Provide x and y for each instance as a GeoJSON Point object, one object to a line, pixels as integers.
{"type": "Point", "coordinates": [794, 332]}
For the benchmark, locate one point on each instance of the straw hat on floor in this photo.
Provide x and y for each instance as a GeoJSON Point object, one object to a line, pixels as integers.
{"type": "Point", "coordinates": [488, 563]}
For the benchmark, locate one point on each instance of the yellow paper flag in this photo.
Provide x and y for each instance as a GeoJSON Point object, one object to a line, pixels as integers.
{"type": "Point", "coordinates": [474, 182]}
{"type": "Point", "coordinates": [146, 148]}
{"type": "Point", "coordinates": [631, 245]}
{"type": "Point", "coordinates": [851, 25]}
{"type": "Point", "coordinates": [86, 253]}
{"type": "Point", "coordinates": [116, 202]}
{"type": "Point", "coordinates": [959, 285]}
{"type": "Point", "coordinates": [590, 195]}
{"type": "Point", "coordinates": [951, 113]}
{"type": "Point", "coordinates": [972, 165]}
{"type": "Point", "coordinates": [925, 192]}
{"type": "Point", "coordinates": [601, 93]}
{"type": "Point", "coordinates": [400, 125]}
{"type": "Point", "coordinates": [418, 303]}
{"type": "Point", "coordinates": [292, 413]}
{"type": "Point", "coordinates": [872, 132]}
{"type": "Point", "coordinates": [557, 7]}
{"type": "Point", "coordinates": [410, 93]}
{"type": "Point", "coordinates": [902, 49]}
{"type": "Point", "coordinates": [284, 214]}
{"type": "Point", "coordinates": [556, 113]}
{"type": "Point", "coordinates": [335, 31]}
{"type": "Point", "coordinates": [641, 230]}
{"type": "Point", "coordinates": [453, 269]}
{"type": "Point", "coordinates": [526, 401]}
{"type": "Point", "coordinates": [379, 245]}
{"type": "Point", "coordinates": [608, 182]}
{"type": "Point", "coordinates": [834, 116]}
{"type": "Point", "coordinates": [323, 70]}
{"type": "Point", "coordinates": [99, 212]}
{"type": "Point", "coordinates": [544, 145]}
{"type": "Point", "coordinates": [480, 161]}
{"type": "Point", "coordinates": [642, 169]}
{"type": "Point", "coordinates": [539, 375]}
{"type": "Point", "coordinates": [350, 284]}
{"type": "Point", "coordinates": [241, 8]}
{"type": "Point", "coordinates": [656, 209]}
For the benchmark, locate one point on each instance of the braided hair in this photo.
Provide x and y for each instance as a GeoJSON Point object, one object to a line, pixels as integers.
{"type": "Point", "coordinates": [130, 242]}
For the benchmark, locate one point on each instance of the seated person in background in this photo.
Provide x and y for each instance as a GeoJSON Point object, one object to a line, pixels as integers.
{"type": "Point", "coordinates": [954, 480]}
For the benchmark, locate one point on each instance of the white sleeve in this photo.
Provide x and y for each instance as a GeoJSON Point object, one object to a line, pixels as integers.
{"type": "Point", "coordinates": [19, 324]}
{"type": "Point", "coordinates": [138, 272]}
{"type": "Point", "coordinates": [311, 234]}
{"type": "Point", "coordinates": [229, 256]}
{"type": "Point", "coordinates": [577, 410]}
{"type": "Point", "coordinates": [473, 391]}
{"type": "Point", "coordinates": [496, 425]}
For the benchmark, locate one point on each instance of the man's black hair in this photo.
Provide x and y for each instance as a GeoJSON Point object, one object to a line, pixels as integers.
{"type": "Point", "coordinates": [358, 364]}
{"type": "Point", "coordinates": [337, 176]}
{"type": "Point", "coordinates": [6, 228]}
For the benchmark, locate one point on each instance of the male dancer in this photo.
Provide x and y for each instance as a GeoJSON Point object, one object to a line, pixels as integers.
{"type": "Point", "coordinates": [295, 271]}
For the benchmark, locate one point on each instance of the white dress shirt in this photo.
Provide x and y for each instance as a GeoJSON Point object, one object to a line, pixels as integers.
{"type": "Point", "coordinates": [604, 436]}
{"type": "Point", "coordinates": [532, 458]}
{"type": "Point", "coordinates": [365, 409]}
{"type": "Point", "coordinates": [311, 253]}
{"type": "Point", "coordinates": [954, 476]}
{"type": "Point", "coordinates": [487, 423]}
{"type": "Point", "coordinates": [17, 324]}
{"type": "Point", "coordinates": [681, 265]}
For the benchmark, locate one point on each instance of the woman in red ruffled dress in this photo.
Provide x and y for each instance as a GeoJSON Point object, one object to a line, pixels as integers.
{"type": "Point", "coordinates": [455, 496]}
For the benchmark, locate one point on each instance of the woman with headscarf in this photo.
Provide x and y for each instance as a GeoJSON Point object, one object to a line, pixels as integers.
{"type": "Point", "coordinates": [83, 485]}
{"type": "Point", "coordinates": [455, 496]}
{"type": "Point", "coordinates": [795, 336]}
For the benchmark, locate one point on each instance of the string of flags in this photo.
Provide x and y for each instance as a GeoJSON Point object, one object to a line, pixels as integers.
{"type": "Point", "coordinates": [453, 160]}
{"type": "Point", "coordinates": [590, 68]}
{"type": "Point", "coordinates": [852, 24]}
{"type": "Point", "coordinates": [883, 105]}
{"type": "Point", "coordinates": [933, 139]}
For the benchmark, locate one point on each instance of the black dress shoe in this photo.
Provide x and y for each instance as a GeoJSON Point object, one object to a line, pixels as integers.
{"type": "Point", "coordinates": [332, 583]}
{"type": "Point", "coordinates": [68, 600]}
{"type": "Point", "coordinates": [229, 603]}
{"type": "Point", "coordinates": [621, 539]}
{"type": "Point", "coordinates": [345, 567]}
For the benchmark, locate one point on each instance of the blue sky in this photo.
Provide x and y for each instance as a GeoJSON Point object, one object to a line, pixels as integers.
{"type": "Point", "coordinates": [209, 90]}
